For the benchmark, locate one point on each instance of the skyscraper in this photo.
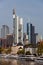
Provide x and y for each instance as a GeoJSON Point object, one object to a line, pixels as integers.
{"type": "Point", "coordinates": [38, 38]}
{"type": "Point", "coordinates": [4, 31]}
{"type": "Point", "coordinates": [9, 38]}
{"type": "Point", "coordinates": [17, 28]}
{"type": "Point", "coordinates": [31, 33]}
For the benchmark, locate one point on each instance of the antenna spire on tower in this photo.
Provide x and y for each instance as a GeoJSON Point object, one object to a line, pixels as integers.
{"type": "Point", "coordinates": [13, 11]}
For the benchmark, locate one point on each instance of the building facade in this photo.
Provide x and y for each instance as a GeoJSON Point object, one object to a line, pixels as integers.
{"type": "Point", "coordinates": [38, 38]}
{"type": "Point", "coordinates": [17, 28]}
{"type": "Point", "coordinates": [3, 42]}
{"type": "Point", "coordinates": [25, 39]}
{"type": "Point", "coordinates": [9, 38]}
{"type": "Point", "coordinates": [4, 31]}
{"type": "Point", "coordinates": [31, 33]}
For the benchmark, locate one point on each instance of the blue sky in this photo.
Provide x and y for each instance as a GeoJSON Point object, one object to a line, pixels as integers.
{"type": "Point", "coordinates": [31, 9]}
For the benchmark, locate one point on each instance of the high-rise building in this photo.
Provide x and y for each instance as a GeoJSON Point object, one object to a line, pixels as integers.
{"type": "Point", "coordinates": [31, 33]}
{"type": "Point", "coordinates": [9, 38]}
{"type": "Point", "coordinates": [17, 28]}
{"type": "Point", "coordinates": [4, 31]}
{"type": "Point", "coordinates": [38, 38]}
{"type": "Point", "coordinates": [3, 42]}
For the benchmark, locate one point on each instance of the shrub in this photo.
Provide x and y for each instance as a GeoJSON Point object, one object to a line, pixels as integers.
{"type": "Point", "coordinates": [1, 50]}
{"type": "Point", "coordinates": [21, 52]}
{"type": "Point", "coordinates": [28, 53]}
{"type": "Point", "coordinates": [8, 51]}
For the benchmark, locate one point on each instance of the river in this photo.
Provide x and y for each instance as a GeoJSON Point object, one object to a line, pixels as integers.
{"type": "Point", "coordinates": [16, 62]}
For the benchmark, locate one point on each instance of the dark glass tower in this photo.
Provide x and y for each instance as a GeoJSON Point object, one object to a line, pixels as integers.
{"type": "Point", "coordinates": [30, 32]}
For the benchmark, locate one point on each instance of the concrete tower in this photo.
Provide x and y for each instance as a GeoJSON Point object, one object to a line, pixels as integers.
{"type": "Point", "coordinates": [17, 28]}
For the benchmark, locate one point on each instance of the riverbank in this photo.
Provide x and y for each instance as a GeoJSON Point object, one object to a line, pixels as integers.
{"type": "Point", "coordinates": [25, 57]}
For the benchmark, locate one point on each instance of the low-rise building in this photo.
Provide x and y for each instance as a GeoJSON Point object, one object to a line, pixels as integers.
{"type": "Point", "coordinates": [33, 50]}
{"type": "Point", "coordinates": [16, 48]}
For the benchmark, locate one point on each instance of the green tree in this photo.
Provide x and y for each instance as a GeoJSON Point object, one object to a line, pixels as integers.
{"type": "Point", "coordinates": [28, 53]}
{"type": "Point", "coordinates": [21, 52]}
{"type": "Point", "coordinates": [40, 48]}
{"type": "Point", "coordinates": [8, 50]}
{"type": "Point", "coordinates": [1, 50]}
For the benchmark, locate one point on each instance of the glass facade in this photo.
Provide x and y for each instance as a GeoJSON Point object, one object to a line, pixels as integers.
{"type": "Point", "coordinates": [31, 32]}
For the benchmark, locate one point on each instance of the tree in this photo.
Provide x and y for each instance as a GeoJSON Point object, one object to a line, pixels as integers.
{"type": "Point", "coordinates": [8, 50]}
{"type": "Point", "coordinates": [40, 48]}
{"type": "Point", "coordinates": [1, 50]}
{"type": "Point", "coordinates": [28, 53]}
{"type": "Point", "coordinates": [21, 52]}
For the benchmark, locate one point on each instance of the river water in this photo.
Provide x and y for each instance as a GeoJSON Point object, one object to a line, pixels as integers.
{"type": "Point", "coordinates": [17, 62]}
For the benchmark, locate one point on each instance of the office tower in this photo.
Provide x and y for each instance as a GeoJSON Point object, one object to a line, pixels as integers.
{"type": "Point", "coordinates": [9, 38]}
{"type": "Point", "coordinates": [4, 31]}
{"type": "Point", "coordinates": [38, 38]}
{"type": "Point", "coordinates": [3, 42]}
{"type": "Point", "coordinates": [31, 32]}
{"type": "Point", "coordinates": [0, 42]}
{"type": "Point", "coordinates": [17, 28]}
{"type": "Point", "coordinates": [33, 35]}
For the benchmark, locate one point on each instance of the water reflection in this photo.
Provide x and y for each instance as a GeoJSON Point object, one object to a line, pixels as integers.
{"type": "Point", "coordinates": [15, 62]}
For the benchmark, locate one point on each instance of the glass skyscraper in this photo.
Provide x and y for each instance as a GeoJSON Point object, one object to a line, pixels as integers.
{"type": "Point", "coordinates": [31, 32]}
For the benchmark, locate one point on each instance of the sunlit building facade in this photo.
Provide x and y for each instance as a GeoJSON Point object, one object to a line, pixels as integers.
{"type": "Point", "coordinates": [4, 31]}
{"type": "Point", "coordinates": [17, 28]}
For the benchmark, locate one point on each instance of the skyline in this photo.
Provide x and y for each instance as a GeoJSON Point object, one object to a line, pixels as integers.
{"type": "Point", "coordinates": [32, 9]}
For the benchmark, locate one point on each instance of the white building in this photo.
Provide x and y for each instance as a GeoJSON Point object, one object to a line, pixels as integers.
{"type": "Point", "coordinates": [26, 40]}
{"type": "Point", "coordinates": [38, 38]}
{"type": "Point", "coordinates": [31, 48]}
{"type": "Point", "coordinates": [17, 28]}
{"type": "Point", "coordinates": [4, 31]}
